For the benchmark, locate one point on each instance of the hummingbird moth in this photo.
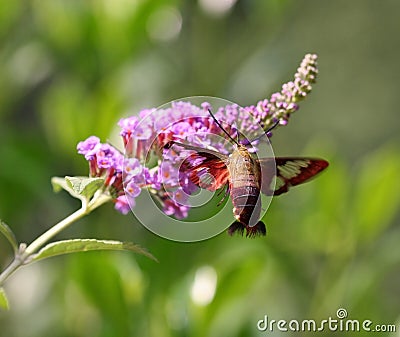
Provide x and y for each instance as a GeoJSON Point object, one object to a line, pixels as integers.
{"type": "Point", "coordinates": [246, 177]}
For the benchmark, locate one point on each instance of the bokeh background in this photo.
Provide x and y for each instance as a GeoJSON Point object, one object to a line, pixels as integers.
{"type": "Point", "coordinates": [70, 69]}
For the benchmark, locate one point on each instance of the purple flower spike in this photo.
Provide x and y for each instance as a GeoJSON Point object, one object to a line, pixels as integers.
{"type": "Point", "coordinates": [132, 189]}
{"type": "Point", "coordinates": [172, 208]}
{"type": "Point", "coordinates": [132, 168]}
{"type": "Point", "coordinates": [283, 103]}
{"type": "Point", "coordinates": [128, 125]}
{"type": "Point", "coordinates": [87, 146]}
{"type": "Point", "coordinates": [152, 179]}
{"type": "Point", "coordinates": [169, 173]}
{"type": "Point", "coordinates": [107, 156]}
{"type": "Point", "coordinates": [122, 204]}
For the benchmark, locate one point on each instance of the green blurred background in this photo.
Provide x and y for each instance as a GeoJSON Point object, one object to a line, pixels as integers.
{"type": "Point", "coordinates": [70, 69]}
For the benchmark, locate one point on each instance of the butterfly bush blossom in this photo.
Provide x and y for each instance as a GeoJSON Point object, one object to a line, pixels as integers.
{"type": "Point", "coordinates": [146, 136]}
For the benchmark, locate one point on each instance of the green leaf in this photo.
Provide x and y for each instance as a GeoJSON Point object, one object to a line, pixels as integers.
{"type": "Point", "coordinates": [60, 183]}
{"type": "Point", "coordinates": [78, 187]}
{"type": "Point", "coordinates": [3, 300]}
{"type": "Point", "coordinates": [84, 186]}
{"type": "Point", "coordinates": [84, 245]}
{"type": "Point", "coordinates": [8, 233]}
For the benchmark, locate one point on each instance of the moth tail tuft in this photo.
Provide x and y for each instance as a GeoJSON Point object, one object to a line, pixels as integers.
{"type": "Point", "coordinates": [257, 230]}
{"type": "Point", "coordinates": [236, 227]}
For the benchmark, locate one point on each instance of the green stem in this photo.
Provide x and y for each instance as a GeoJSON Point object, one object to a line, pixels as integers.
{"type": "Point", "coordinates": [21, 258]}
{"type": "Point", "coordinates": [13, 266]}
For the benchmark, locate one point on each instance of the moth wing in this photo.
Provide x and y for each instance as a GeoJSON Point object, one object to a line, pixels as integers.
{"type": "Point", "coordinates": [206, 170]}
{"type": "Point", "coordinates": [290, 171]}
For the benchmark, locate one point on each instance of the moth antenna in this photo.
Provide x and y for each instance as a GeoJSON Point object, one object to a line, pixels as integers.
{"type": "Point", "coordinates": [272, 127]}
{"type": "Point", "coordinates": [265, 132]}
{"type": "Point", "coordinates": [220, 126]}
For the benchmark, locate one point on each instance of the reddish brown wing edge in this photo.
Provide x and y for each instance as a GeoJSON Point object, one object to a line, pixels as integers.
{"type": "Point", "coordinates": [289, 171]}
{"type": "Point", "coordinates": [204, 161]}
{"type": "Point", "coordinates": [208, 165]}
